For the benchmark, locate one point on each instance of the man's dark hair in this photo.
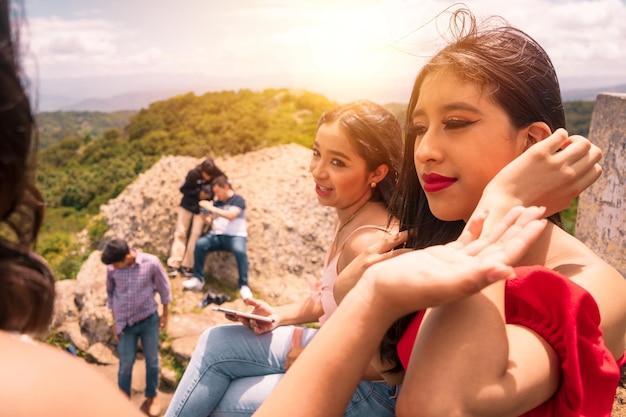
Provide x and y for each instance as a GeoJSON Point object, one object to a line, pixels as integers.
{"type": "Point", "coordinates": [221, 182]}
{"type": "Point", "coordinates": [115, 251]}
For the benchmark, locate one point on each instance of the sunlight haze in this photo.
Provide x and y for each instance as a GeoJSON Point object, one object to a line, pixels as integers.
{"type": "Point", "coordinates": [342, 49]}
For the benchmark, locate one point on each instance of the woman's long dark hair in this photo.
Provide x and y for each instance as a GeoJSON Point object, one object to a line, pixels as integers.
{"type": "Point", "coordinates": [520, 78]}
{"type": "Point", "coordinates": [26, 284]}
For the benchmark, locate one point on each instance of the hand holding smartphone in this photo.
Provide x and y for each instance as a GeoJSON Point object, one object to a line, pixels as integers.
{"type": "Point", "coordinates": [243, 314]}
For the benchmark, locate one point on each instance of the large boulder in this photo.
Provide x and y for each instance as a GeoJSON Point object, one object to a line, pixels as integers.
{"type": "Point", "coordinates": [288, 234]}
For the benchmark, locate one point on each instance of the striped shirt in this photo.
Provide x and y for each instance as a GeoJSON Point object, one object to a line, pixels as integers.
{"type": "Point", "coordinates": [130, 291]}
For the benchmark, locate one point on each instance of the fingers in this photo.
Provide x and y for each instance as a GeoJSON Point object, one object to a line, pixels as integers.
{"type": "Point", "coordinates": [475, 245]}
{"type": "Point", "coordinates": [390, 241]}
{"type": "Point", "coordinates": [394, 239]}
{"type": "Point", "coordinates": [574, 151]}
{"type": "Point", "coordinates": [514, 247]}
{"type": "Point", "coordinates": [527, 216]}
{"type": "Point", "coordinates": [384, 249]}
{"type": "Point", "coordinates": [232, 317]}
{"type": "Point", "coordinates": [557, 141]}
{"type": "Point", "coordinates": [511, 224]}
{"type": "Point", "coordinates": [472, 229]}
{"type": "Point", "coordinates": [252, 302]}
{"type": "Point", "coordinates": [584, 159]}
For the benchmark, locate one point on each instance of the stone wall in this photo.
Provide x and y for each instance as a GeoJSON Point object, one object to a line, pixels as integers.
{"type": "Point", "coordinates": [601, 219]}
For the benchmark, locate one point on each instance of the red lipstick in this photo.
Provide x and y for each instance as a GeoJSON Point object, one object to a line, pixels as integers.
{"type": "Point", "coordinates": [435, 182]}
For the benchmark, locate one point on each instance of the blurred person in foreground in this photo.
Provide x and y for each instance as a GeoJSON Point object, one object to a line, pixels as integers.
{"type": "Point", "coordinates": [38, 379]}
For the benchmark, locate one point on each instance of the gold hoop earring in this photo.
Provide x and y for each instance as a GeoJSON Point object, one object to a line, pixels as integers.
{"type": "Point", "coordinates": [373, 185]}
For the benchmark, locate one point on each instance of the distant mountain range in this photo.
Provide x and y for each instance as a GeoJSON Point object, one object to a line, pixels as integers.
{"type": "Point", "coordinates": [112, 94]}
{"type": "Point", "coordinates": [590, 94]}
{"type": "Point", "coordinates": [128, 101]}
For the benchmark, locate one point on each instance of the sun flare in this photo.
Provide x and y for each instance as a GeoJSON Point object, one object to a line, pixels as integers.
{"type": "Point", "coordinates": [346, 41]}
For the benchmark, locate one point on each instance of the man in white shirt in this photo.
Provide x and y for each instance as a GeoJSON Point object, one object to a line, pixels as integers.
{"type": "Point", "coordinates": [228, 232]}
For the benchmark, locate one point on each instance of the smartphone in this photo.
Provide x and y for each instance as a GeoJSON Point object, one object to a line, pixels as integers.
{"type": "Point", "coordinates": [243, 314]}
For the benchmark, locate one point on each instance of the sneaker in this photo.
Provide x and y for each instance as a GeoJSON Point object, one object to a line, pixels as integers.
{"type": "Point", "coordinates": [193, 284]}
{"type": "Point", "coordinates": [245, 292]}
{"type": "Point", "coordinates": [172, 272]}
{"type": "Point", "coordinates": [186, 272]}
{"type": "Point", "coordinates": [221, 299]}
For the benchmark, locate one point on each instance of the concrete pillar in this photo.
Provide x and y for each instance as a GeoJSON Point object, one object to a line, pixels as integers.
{"type": "Point", "coordinates": [601, 216]}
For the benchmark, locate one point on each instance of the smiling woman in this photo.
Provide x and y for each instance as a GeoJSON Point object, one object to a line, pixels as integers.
{"type": "Point", "coordinates": [547, 342]}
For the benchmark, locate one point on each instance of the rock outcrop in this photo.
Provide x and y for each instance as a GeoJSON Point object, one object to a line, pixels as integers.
{"type": "Point", "coordinates": [288, 233]}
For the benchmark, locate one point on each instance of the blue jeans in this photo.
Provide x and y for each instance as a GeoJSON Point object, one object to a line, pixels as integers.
{"type": "Point", "coordinates": [211, 243]}
{"type": "Point", "coordinates": [232, 371]}
{"type": "Point", "coordinates": [148, 331]}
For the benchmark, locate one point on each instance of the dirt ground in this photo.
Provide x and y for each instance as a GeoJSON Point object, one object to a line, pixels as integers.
{"type": "Point", "coordinates": [139, 383]}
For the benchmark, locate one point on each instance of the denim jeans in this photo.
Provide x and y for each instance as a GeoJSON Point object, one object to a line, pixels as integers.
{"type": "Point", "coordinates": [148, 331]}
{"type": "Point", "coordinates": [211, 243]}
{"type": "Point", "coordinates": [232, 371]}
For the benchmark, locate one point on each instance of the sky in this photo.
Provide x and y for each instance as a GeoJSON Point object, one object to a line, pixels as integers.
{"type": "Point", "coordinates": [344, 49]}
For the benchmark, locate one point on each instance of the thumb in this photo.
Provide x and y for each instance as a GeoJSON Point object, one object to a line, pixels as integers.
{"type": "Point", "coordinates": [252, 302]}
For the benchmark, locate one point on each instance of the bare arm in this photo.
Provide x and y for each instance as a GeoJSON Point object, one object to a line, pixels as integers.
{"type": "Point", "coordinates": [551, 174]}
{"type": "Point", "coordinates": [351, 336]}
{"type": "Point", "coordinates": [164, 317]}
{"type": "Point", "coordinates": [42, 380]}
{"type": "Point", "coordinates": [231, 213]}
{"type": "Point", "coordinates": [501, 359]}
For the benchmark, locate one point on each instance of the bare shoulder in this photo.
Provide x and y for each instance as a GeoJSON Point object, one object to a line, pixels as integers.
{"type": "Point", "coordinates": [370, 228]}
{"type": "Point", "coordinates": [608, 288]}
{"type": "Point", "coordinates": [365, 236]}
{"type": "Point", "coordinates": [57, 380]}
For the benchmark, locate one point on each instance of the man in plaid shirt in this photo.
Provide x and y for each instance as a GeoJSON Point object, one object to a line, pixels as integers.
{"type": "Point", "coordinates": [132, 279]}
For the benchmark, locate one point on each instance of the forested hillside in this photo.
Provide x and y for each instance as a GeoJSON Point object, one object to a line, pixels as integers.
{"type": "Point", "coordinates": [54, 126]}
{"type": "Point", "coordinates": [82, 172]}
{"type": "Point", "coordinates": [79, 172]}
{"type": "Point", "coordinates": [578, 116]}
{"type": "Point", "coordinates": [92, 157]}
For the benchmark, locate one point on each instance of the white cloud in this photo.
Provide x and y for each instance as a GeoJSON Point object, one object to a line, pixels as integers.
{"type": "Point", "coordinates": [583, 38]}
{"type": "Point", "coordinates": [339, 44]}
{"type": "Point", "coordinates": [71, 47]}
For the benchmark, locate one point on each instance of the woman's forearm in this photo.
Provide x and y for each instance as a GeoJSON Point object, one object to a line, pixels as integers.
{"type": "Point", "coordinates": [307, 311]}
{"type": "Point", "coordinates": [323, 379]}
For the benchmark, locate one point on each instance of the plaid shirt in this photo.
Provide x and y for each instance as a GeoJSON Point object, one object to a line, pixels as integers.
{"type": "Point", "coordinates": [130, 291]}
